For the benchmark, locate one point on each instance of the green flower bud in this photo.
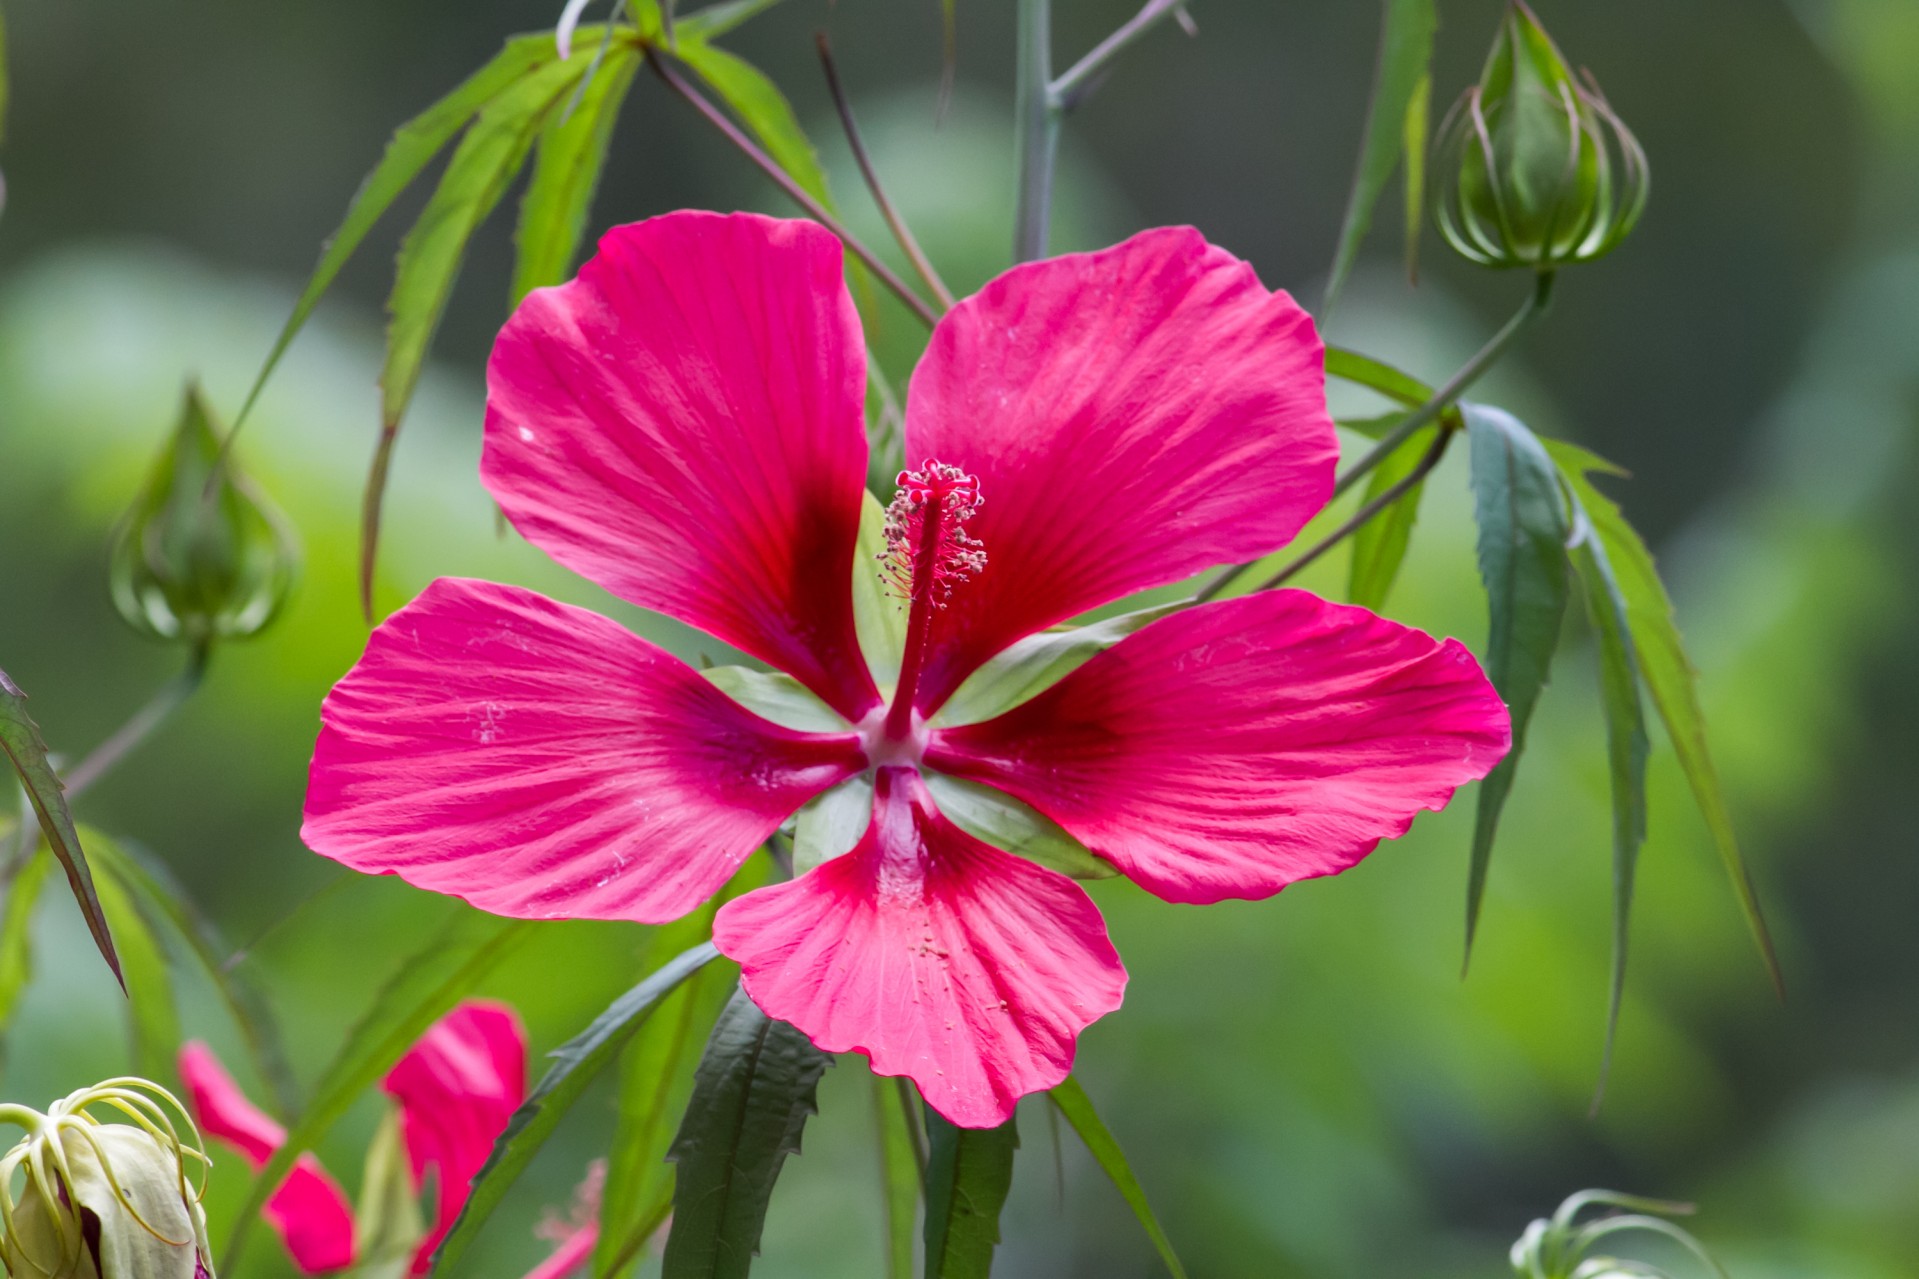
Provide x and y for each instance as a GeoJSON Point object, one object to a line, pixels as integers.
{"type": "Point", "coordinates": [104, 1200]}
{"type": "Point", "coordinates": [1534, 168]}
{"type": "Point", "coordinates": [195, 563]}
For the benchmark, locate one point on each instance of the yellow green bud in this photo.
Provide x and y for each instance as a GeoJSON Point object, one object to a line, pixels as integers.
{"type": "Point", "coordinates": [1533, 166]}
{"type": "Point", "coordinates": [202, 555]}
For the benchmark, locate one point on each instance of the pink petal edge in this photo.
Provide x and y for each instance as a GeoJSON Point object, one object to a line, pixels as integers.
{"type": "Point", "coordinates": [967, 969]}
{"type": "Point", "coordinates": [684, 424]}
{"type": "Point", "coordinates": [1237, 747]}
{"type": "Point", "coordinates": [540, 761]}
{"type": "Point", "coordinates": [1134, 416]}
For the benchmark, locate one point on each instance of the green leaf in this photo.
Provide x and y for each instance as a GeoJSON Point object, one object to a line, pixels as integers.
{"type": "Point", "coordinates": [387, 1226]}
{"type": "Point", "coordinates": [718, 19]}
{"type": "Point", "coordinates": [163, 897]}
{"type": "Point", "coordinates": [777, 697]}
{"type": "Point", "coordinates": [762, 108]}
{"type": "Point", "coordinates": [831, 823]}
{"type": "Point", "coordinates": [153, 1014]}
{"type": "Point", "coordinates": [1379, 547]}
{"type": "Point", "coordinates": [425, 986]}
{"type": "Point", "coordinates": [1669, 676]}
{"type": "Point", "coordinates": [1038, 662]}
{"type": "Point", "coordinates": [1523, 533]}
{"type": "Point", "coordinates": [576, 1064]}
{"type": "Point", "coordinates": [755, 1086]}
{"type": "Point", "coordinates": [1078, 1109]}
{"type": "Point", "coordinates": [879, 615]}
{"type": "Point", "coordinates": [903, 1174]}
{"type": "Point", "coordinates": [483, 166]}
{"type": "Point", "coordinates": [412, 148]}
{"type": "Point", "coordinates": [656, 1077]}
{"type": "Point", "coordinates": [1625, 747]}
{"type": "Point", "coordinates": [20, 742]}
{"type": "Point", "coordinates": [16, 931]}
{"type": "Point", "coordinates": [1376, 375]}
{"type": "Point", "coordinates": [1415, 138]}
{"type": "Point", "coordinates": [566, 173]}
{"type": "Point", "coordinates": [968, 1172]}
{"type": "Point", "coordinates": [1405, 54]}
{"type": "Point", "coordinates": [999, 819]}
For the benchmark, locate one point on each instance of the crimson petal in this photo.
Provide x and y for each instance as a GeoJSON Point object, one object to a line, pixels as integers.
{"type": "Point", "coordinates": [1133, 415]}
{"type": "Point", "coordinates": [941, 958]}
{"type": "Point", "coordinates": [683, 424]}
{"type": "Point", "coordinates": [1231, 749]}
{"type": "Point", "coordinates": [541, 761]}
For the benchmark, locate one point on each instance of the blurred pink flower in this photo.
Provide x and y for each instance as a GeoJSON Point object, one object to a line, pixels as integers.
{"type": "Point", "coordinates": [683, 424]}
{"type": "Point", "coordinates": [456, 1088]}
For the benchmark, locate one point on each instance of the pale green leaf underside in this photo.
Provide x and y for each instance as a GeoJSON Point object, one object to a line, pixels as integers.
{"type": "Point", "coordinates": [1037, 662]}
{"type": "Point", "coordinates": [831, 823]}
{"type": "Point", "coordinates": [1005, 822]}
{"type": "Point", "coordinates": [879, 616]}
{"type": "Point", "coordinates": [777, 697]}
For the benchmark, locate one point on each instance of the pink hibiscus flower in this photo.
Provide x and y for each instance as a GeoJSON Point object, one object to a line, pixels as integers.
{"type": "Point", "coordinates": [683, 425]}
{"type": "Point", "coordinates": [456, 1088]}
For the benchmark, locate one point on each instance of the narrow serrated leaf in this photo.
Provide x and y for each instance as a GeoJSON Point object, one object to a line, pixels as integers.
{"type": "Point", "coordinates": [153, 1014]}
{"type": "Point", "coordinates": [425, 986]}
{"type": "Point", "coordinates": [476, 178]}
{"type": "Point", "coordinates": [1405, 54]}
{"type": "Point", "coordinates": [1415, 138]}
{"type": "Point", "coordinates": [1523, 530]}
{"type": "Point", "coordinates": [576, 1063]}
{"type": "Point", "coordinates": [1626, 747]}
{"type": "Point", "coordinates": [752, 1093]}
{"type": "Point", "coordinates": [1072, 1101]}
{"type": "Point", "coordinates": [1376, 375]}
{"type": "Point", "coordinates": [20, 742]}
{"type": "Point", "coordinates": [762, 108]}
{"type": "Point", "coordinates": [1379, 547]}
{"type": "Point", "coordinates": [411, 149]}
{"type": "Point", "coordinates": [903, 1179]}
{"type": "Point", "coordinates": [16, 931]}
{"type": "Point", "coordinates": [1030, 666]}
{"type": "Point", "coordinates": [1669, 677]}
{"type": "Point", "coordinates": [566, 174]}
{"type": "Point", "coordinates": [968, 1174]}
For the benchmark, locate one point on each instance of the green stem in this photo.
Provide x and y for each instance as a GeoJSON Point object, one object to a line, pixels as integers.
{"type": "Point", "coordinates": [136, 730]}
{"type": "Point", "coordinates": [1455, 386]}
{"type": "Point", "coordinates": [1038, 114]}
{"type": "Point", "coordinates": [1077, 81]}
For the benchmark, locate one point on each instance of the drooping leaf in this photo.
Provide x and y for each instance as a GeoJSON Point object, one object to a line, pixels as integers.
{"type": "Point", "coordinates": [761, 107]}
{"type": "Point", "coordinates": [1523, 530]}
{"type": "Point", "coordinates": [1379, 547]}
{"type": "Point", "coordinates": [776, 696]}
{"type": "Point", "coordinates": [163, 897]}
{"type": "Point", "coordinates": [483, 166]}
{"type": "Point", "coordinates": [1405, 54]}
{"type": "Point", "coordinates": [20, 742]}
{"type": "Point", "coordinates": [424, 987]}
{"type": "Point", "coordinates": [16, 931]}
{"type": "Point", "coordinates": [999, 819]}
{"type": "Point", "coordinates": [879, 615]}
{"type": "Point", "coordinates": [903, 1177]}
{"type": "Point", "coordinates": [1036, 663]}
{"type": "Point", "coordinates": [387, 1222]}
{"type": "Point", "coordinates": [412, 148]}
{"type": "Point", "coordinates": [566, 174]}
{"type": "Point", "coordinates": [1377, 375]}
{"type": "Point", "coordinates": [831, 823]}
{"type": "Point", "coordinates": [1625, 746]}
{"type": "Point", "coordinates": [576, 1064]}
{"type": "Point", "coordinates": [1415, 138]}
{"type": "Point", "coordinates": [968, 1173]}
{"type": "Point", "coordinates": [656, 1077]}
{"type": "Point", "coordinates": [1072, 1101]}
{"type": "Point", "coordinates": [153, 1014]}
{"type": "Point", "coordinates": [1669, 676]}
{"type": "Point", "coordinates": [752, 1093]}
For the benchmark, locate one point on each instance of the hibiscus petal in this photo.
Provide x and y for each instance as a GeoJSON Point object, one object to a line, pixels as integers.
{"type": "Point", "coordinates": [1133, 415]}
{"type": "Point", "coordinates": [1234, 748]}
{"type": "Point", "coordinates": [541, 761]}
{"type": "Point", "coordinates": [457, 1087]}
{"type": "Point", "coordinates": [941, 958]}
{"type": "Point", "coordinates": [309, 1211]}
{"type": "Point", "coordinates": [683, 424]}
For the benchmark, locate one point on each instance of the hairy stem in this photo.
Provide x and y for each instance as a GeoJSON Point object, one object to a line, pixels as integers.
{"type": "Point", "coordinates": [794, 190]}
{"type": "Point", "coordinates": [129, 735]}
{"type": "Point", "coordinates": [1038, 138]}
{"type": "Point", "coordinates": [894, 221]}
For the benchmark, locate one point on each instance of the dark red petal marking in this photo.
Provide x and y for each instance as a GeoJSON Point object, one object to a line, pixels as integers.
{"type": "Point", "coordinates": [1236, 747]}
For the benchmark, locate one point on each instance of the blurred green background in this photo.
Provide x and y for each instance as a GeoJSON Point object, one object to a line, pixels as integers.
{"type": "Point", "coordinates": [1306, 1085]}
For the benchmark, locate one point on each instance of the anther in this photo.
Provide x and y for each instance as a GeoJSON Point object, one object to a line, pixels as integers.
{"type": "Point", "coordinates": [927, 552]}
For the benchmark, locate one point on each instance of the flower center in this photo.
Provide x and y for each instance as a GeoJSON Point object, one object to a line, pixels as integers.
{"type": "Point", "coordinates": [927, 555]}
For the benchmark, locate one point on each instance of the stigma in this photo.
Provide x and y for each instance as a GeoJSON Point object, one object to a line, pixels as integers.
{"type": "Point", "coordinates": [927, 552]}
